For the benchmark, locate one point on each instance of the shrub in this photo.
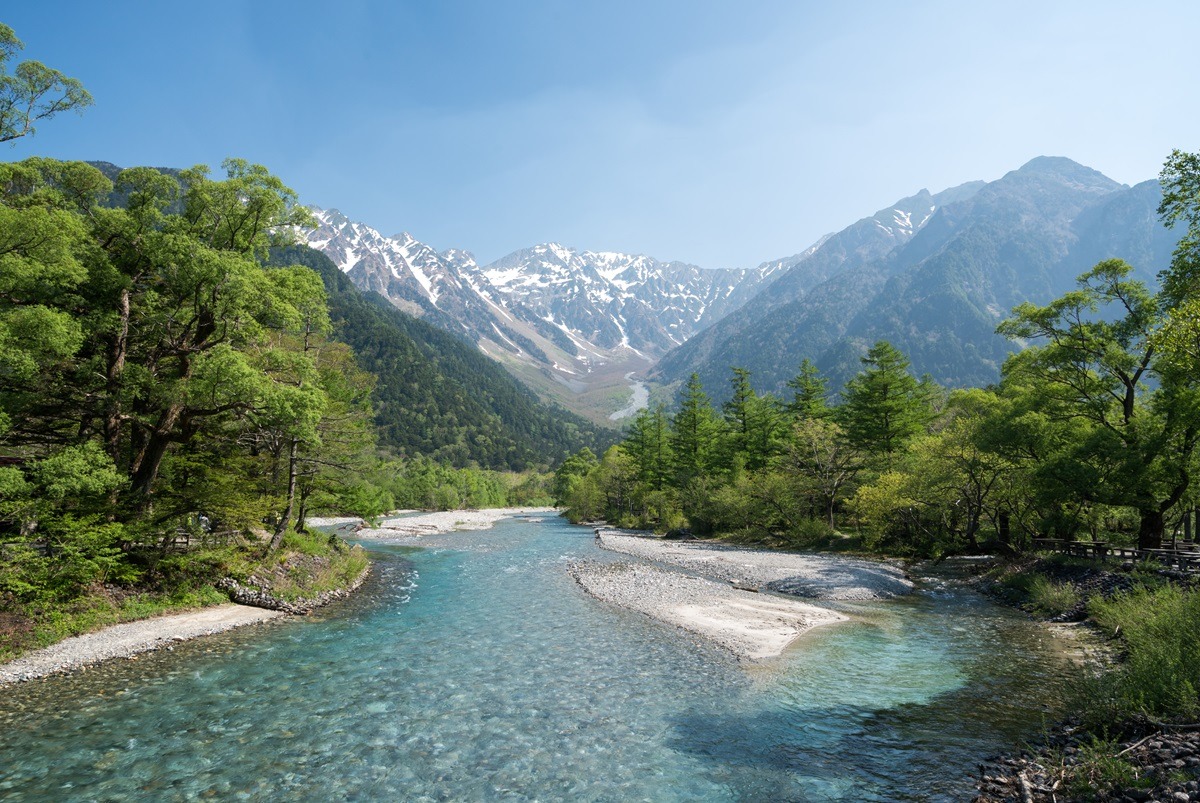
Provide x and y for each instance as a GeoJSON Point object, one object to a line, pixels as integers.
{"type": "Point", "coordinates": [1099, 771]}
{"type": "Point", "coordinates": [1049, 599]}
{"type": "Point", "coordinates": [1160, 676]}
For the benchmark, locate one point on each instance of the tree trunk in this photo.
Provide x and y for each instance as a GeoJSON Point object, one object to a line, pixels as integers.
{"type": "Point", "coordinates": [302, 513]}
{"type": "Point", "coordinates": [282, 526]}
{"type": "Point", "coordinates": [1004, 526]}
{"type": "Point", "coordinates": [1150, 530]}
{"type": "Point", "coordinates": [973, 529]}
{"type": "Point", "coordinates": [116, 368]}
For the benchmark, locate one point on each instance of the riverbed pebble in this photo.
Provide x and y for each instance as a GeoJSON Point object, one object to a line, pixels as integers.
{"type": "Point", "coordinates": [832, 577]}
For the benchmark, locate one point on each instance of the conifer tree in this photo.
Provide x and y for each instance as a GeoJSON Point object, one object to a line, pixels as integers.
{"type": "Point", "coordinates": [693, 430]}
{"type": "Point", "coordinates": [884, 406]}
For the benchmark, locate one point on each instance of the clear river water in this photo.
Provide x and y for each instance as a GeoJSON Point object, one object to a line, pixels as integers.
{"type": "Point", "coordinates": [474, 668]}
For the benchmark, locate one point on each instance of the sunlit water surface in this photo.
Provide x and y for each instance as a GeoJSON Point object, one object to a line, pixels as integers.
{"type": "Point", "coordinates": [475, 669]}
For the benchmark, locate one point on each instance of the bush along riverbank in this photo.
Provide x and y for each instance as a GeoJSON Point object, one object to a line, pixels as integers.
{"type": "Point", "coordinates": [307, 570]}
{"type": "Point", "coordinates": [1131, 733]}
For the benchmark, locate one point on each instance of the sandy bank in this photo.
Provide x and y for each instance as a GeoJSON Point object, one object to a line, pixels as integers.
{"type": "Point", "coordinates": [814, 576]}
{"type": "Point", "coordinates": [446, 521]}
{"type": "Point", "coordinates": [340, 522]}
{"type": "Point", "coordinates": [131, 638]}
{"type": "Point", "coordinates": [752, 626]}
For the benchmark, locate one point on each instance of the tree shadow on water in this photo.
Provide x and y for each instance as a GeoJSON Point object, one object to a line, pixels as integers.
{"type": "Point", "coordinates": [910, 752]}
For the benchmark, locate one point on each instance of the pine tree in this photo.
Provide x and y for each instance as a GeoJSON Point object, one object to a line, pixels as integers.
{"type": "Point", "coordinates": [811, 393]}
{"type": "Point", "coordinates": [884, 405]}
{"type": "Point", "coordinates": [693, 430]}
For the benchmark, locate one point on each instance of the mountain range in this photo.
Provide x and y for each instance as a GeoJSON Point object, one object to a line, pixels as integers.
{"type": "Point", "coordinates": [933, 273]}
{"type": "Point", "coordinates": [570, 323]}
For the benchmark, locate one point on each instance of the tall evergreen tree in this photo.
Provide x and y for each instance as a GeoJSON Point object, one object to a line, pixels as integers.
{"type": "Point", "coordinates": [752, 424]}
{"type": "Point", "coordinates": [693, 430]}
{"type": "Point", "coordinates": [811, 393]}
{"type": "Point", "coordinates": [648, 443]}
{"type": "Point", "coordinates": [884, 406]}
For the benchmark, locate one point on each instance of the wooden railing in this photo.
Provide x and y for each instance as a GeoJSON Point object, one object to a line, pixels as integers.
{"type": "Point", "coordinates": [1181, 555]}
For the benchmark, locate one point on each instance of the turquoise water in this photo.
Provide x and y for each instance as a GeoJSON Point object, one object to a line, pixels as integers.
{"type": "Point", "coordinates": [475, 669]}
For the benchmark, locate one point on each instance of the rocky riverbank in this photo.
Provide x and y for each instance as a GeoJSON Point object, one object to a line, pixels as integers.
{"type": "Point", "coordinates": [131, 638]}
{"type": "Point", "coordinates": [1132, 761]}
{"type": "Point", "coordinates": [1162, 766]}
{"type": "Point", "coordinates": [258, 593]}
{"type": "Point", "coordinates": [801, 575]}
{"type": "Point", "coordinates": [297, 583]}
{"type": "Point", "coordinates": [717, 591]}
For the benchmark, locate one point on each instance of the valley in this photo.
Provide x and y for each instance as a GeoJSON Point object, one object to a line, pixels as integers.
{"type": "Point", "coordinates": [933, 273]}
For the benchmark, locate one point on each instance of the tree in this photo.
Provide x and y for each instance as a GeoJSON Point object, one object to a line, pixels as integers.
{"type": "Point", "coordinates": [32, 92]}
{"type": "Point", "coordinates": [823, 462]}
{"type": "Point", "coordinates": [883, 406]}
{"type": "Point", "coordinates": [752, 424]}
{"type": "Point", "coordinates": [693, 430]}
{"type": "Point", "coordinates": [571, 472]}
{"type": "Point", "coordinates": [1180, 335]}
{"type": "Point", "coordinates": [1180, 180]}
{"type": "Point", "coordinates": [1137, 418]}
{"type": "Point", "coordinates": [648, 443]}
{"type": "Point", "coordinates": [810, 399]}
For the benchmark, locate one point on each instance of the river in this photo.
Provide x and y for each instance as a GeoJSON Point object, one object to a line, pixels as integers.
{"type": "Point", "coordinates": [639, 398]}
{"type": "Point", "coordinates": [475, 669]}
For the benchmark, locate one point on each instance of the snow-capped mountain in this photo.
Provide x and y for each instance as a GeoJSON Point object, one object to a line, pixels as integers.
{"type": "Point", "coordinates": [568, 314]}
{"type": "Point", "coordinates": [615, 300]}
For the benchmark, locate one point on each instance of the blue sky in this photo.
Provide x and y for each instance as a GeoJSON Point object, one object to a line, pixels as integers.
{"type": "Point", "coordinates": [718, 133]}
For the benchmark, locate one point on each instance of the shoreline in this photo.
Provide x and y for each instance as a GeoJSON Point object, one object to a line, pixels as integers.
{"type": "Point", "coordinates": [129, 639]}
{"type": "Point", "coordinates": [808, 575]}
{"type": "Point", "coordinates": [445, 521]}
{"type": "Point", "coordinates": [716, 591]}
{"type": "Point", "coordinates": [751, 626]}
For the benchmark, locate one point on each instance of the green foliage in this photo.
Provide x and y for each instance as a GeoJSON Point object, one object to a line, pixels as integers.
{"type": "Point", "coordinates": [437, 396]}
{"type": "Point", "coordinates": [884, 405]}
{"type": "Point", "coordinates": [1103, 420]}
{"type": "Point", "coordinates": [1099, 770]}
{"type": "Point", "coordinates": [693, 432]}
{"type": "Point", "coordinates": [568, 475]}
{"type": "Point", "coordinates": [1049, 599]}
{"type": "Point", "coordinates": [32, 92]}
{"type": "Point", "coordinates": [811, 393]}
{"type": "Point", "coordinates": [1160, 674]}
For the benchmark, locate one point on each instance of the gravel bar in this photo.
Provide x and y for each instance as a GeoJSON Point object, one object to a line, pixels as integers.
{"type": "Point", "coordinates": [445, 521]}
{"type": "Point", "coordinates": [752, 626]}
{"type": "Point", "coordinates": [830, 577]}
{"type": "Point", "coordinates": [130, 638]}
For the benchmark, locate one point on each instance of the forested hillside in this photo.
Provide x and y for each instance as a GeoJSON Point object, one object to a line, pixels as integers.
{"type": "Point", "coordinates": [1092, 429]}
{"type": "Point", "coordinates": [437, 395]}
{"type": "Point", "coordinates": [937, 287]}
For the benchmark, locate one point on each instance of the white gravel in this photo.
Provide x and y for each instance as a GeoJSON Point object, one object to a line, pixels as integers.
{"type": "Point", "coordinates": [803, 575]}
{"type": "Point", "coordinates": [751, 626]}
{"type": "Point", "coordinates": [445, 521]}
{"type": "Point", "coordinates": [131, 638]}
{"type": "Point", "coordinates": [333, 521]}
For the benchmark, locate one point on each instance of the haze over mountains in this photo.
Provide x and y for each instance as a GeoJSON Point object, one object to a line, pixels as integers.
{"type": "Point", "coordinates": [932, 273]}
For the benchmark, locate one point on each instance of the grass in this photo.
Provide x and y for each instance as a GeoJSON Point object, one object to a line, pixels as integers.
{"type": "Point", "coordinates": [1050, 599]}
{"type": "Point", "coordinates": [1099, 771]}
{"type": "Point", "coordinates": [33, 626]}
{"type": "Point", "coordinates": [1159, 678]}
{"type": "Point", "coordinates": [306, 565]}
{"type": "Point", "coordinates": [306, 579]}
